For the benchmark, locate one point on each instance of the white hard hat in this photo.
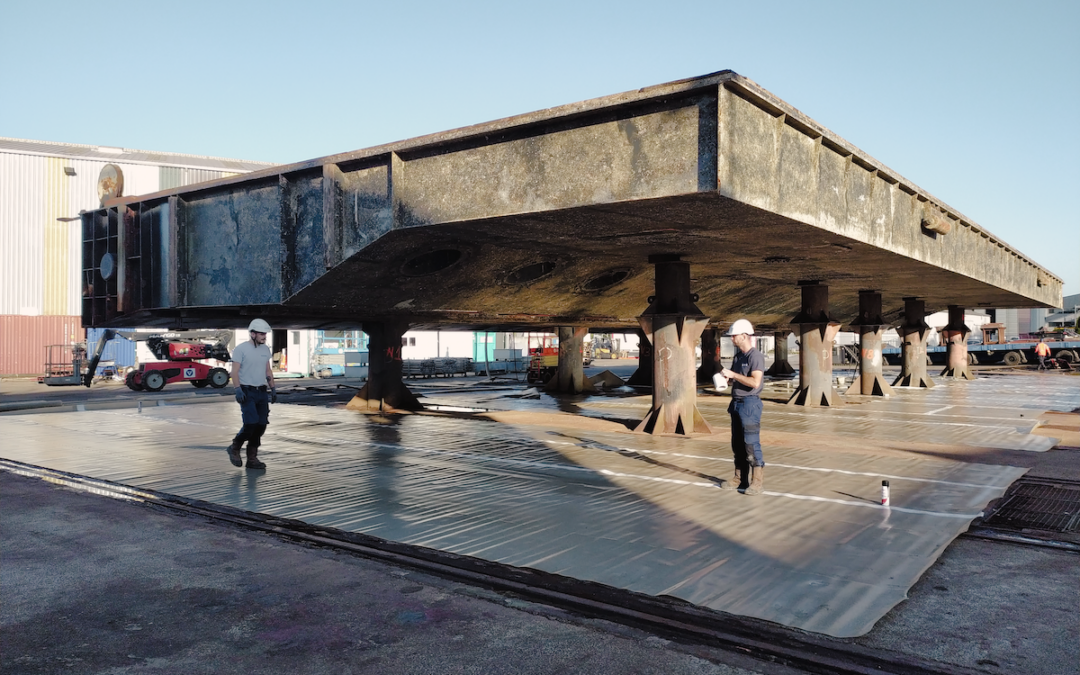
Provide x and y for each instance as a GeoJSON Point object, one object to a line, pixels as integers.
{"type": "Point", "coordinates": [259, 326]}
{"type": "Point", "coordinates": [741, 327]}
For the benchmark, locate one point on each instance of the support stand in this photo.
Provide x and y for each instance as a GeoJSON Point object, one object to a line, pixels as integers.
{"type": "Point", "coordinates": [385, 390]}
{"type": "Point", "coordinates": [673, 324]}
{"type": "Point", "coordinates": [913, 357]}
{"type": "Point", "coordinates": [780, 367]}
{"type": "Point", "coordinates": [871, 326]}
{"type": "Point", "coordinates": [817, 330]}
{"type": "Point", "coordinates": [958, 365]}
{"type": "Point", "coordinates": [569, 377]}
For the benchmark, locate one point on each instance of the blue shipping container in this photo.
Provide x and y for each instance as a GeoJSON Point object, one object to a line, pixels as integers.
{"type": "Point", "coordinates": [118, 351]}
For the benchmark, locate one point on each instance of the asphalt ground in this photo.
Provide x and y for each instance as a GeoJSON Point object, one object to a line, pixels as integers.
{"type": "Point", "coordinates": [98, 585]}
{"type": "Point", "coordinates": [92, 584]}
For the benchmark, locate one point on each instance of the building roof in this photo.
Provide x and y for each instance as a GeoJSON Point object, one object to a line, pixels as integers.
{"type": "Point", "coordinates": [127, 155]}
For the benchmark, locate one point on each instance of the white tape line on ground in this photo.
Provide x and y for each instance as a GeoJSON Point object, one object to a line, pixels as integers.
{"type": "Point", "coordinates": [811, 498]}
{"type": "Point", "coordinates": [796, 467]}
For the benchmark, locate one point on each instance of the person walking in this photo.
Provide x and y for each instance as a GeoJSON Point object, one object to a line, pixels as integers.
{"type": "Point", "coordinates": [254, 382]}
{"type": "Point", "coordinates": [746, 375]}
{"type": "Point", "coordinates": [1042, 350]}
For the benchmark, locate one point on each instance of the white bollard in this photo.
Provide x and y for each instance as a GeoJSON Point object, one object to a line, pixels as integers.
{"type": "Point", "coordinates": [884, 493]}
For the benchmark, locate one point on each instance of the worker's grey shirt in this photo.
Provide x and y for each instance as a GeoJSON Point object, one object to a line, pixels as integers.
{"type": "Point", "coordinates": [252, 361]}
{"type": "Point", "coordinates": [744, 364]}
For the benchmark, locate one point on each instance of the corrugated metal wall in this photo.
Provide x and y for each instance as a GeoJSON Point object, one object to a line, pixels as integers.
{"type": "Point", "coordinates": [40, 256]}
{"type": "Point", "coordinates": [21, 244]}
{"type": "Point", "coordinates": [176, 176]}
{"type": "Point", "coordinates": [119, 351]}
{"type": "Point", "coordinates": [23, 340]}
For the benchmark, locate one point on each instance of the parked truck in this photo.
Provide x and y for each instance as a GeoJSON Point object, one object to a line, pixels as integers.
{"type": "Point", "coordinates": [994, 347]}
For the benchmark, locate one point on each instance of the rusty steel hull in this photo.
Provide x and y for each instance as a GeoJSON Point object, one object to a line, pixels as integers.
{"type": "Point", "coordinates": [549, 219]}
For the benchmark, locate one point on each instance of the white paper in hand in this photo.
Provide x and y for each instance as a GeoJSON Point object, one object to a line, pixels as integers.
{"type": "Point", "coordinates": [719, 382]}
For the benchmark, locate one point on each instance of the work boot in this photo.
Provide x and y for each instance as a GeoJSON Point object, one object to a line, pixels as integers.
{"type": "Point", "coordinates": [253, 460]}
{"type": "Point", "coordinates": [234, 455]}
{"type": "Point", "coordinates": [757, 481]}
{"type": "Point", "coordinates": [734, 483]}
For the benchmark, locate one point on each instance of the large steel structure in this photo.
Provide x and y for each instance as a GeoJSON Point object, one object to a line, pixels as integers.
{"type": "Point", "coordinates": [557, 218]}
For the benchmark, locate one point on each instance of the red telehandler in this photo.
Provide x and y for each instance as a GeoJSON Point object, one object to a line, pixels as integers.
{"type": "Point", "coordinates": [180, 352]}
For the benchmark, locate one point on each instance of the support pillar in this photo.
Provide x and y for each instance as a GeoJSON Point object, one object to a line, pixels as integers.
{"type": "Point", "coordinates": [913, 357]}
{"type": "Point", "coordinates": [955, 334]}
{"type": "Point", "coordinates": [710, 355]}
{"type": "Point", "coordinates": [817, 330]}
{"type": "Point", "coordinates": [871, 326]}
{"type": "Point", "coordinates": [673, 324]}
{"type": "Point", "coordinates": [780, 367]}
{"type": "Point", "coordinates": [385, 390]}
{"type": "Point", "coordinates": [569, 377]}
{"type": "Point", "coordinates": [643, 376]}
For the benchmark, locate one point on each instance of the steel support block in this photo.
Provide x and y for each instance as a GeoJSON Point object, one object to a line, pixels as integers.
{"type": "Point", "coordinates": [817, 330]}
{"type": "Point", "coordinates": [673, 324]}
{"type": "Point", "coordinates": [913, 356]}
{"type": "Point", "coordinates": [385, 390]}
{"type": "Point", "coordinates": [710, 355]}
{"type": "Point", "coordinates": [781, 366]}
{"type": "Point", "coordinates": [871, 326]}
{"type": "Point", "coordinates": [958, 365]}
{"type": "Point", "coordinates": [643, 376]}
{"type": "Point", "coordinates": [674, 401]}
{"type": "Point", "coordinates": [569, 377]}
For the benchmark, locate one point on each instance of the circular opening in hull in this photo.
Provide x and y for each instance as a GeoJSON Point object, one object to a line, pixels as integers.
{"type": "Point", "coordinates": [430, 263]}
{"type": "Point", "coordinates": [606, 280]}
{"type": "Point", "coordinates": [524, 275]}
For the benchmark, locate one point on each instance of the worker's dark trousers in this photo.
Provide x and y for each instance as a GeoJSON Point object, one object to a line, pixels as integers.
{"type": "Point", "coordinates": [256, 415]}
{"type": "Point", "coordinates": [746, 432]}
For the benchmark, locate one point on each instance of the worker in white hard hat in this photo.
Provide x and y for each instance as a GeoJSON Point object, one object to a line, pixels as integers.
{"type": "Point", "coordinates": [746, 374]}
{"type": "Point", "coordinates": [254, 382]}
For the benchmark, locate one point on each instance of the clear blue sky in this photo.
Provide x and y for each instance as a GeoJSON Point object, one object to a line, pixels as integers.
{"type": "Point", "coordinates": [976, 102]}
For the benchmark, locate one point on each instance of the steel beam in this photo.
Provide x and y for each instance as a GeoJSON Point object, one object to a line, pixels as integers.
{"type": "Point", "coordinates": [569, 376]}
{"type": "Point", "coordinates": [818, 330]}
{"type": "Point", "coordinates": [955, 334]}
{"type": "Point", "coordinates": [673, 323]}
{"type": "Point", "coordinates": [871, 326]}
{"type": "Point", "coordinates": [385, 390]}
{"type": "Point", "coordinates": [913, 356]}
{"type": "Point", "coordinates": [781, 366]}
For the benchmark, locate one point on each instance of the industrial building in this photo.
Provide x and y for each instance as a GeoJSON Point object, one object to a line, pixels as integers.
{"type": "Point", "coordinates": [43, 188]}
